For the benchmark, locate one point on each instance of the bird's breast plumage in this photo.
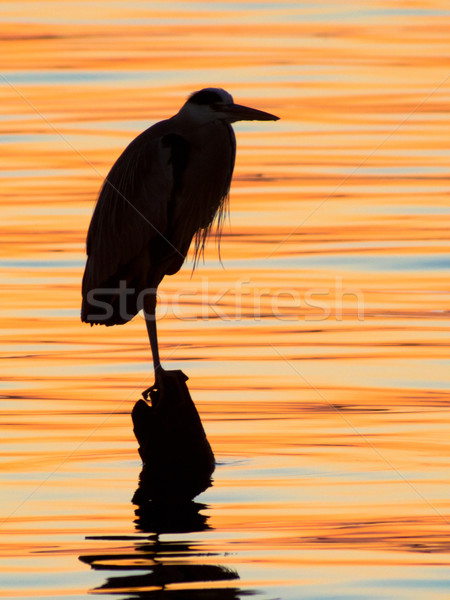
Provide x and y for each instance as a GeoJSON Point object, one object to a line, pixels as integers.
{"type": "Point", "coordinates": [206, 179]}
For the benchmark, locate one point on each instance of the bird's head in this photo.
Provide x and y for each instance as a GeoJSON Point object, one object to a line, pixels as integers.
{"type": "Point", "coordinates": [215, 104]}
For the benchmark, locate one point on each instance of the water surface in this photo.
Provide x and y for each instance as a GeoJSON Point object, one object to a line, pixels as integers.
{"type": "Point", "coordinates": [318, 352]}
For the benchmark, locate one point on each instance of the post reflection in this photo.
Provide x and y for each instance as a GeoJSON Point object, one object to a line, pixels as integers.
{"type": "Point", "coordinates": [152, 567]}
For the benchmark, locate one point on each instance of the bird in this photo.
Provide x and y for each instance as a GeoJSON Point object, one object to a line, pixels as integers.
{"type": "Point", "coordinates": [167, 188]}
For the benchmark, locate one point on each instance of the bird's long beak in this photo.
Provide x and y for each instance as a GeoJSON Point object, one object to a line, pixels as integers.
{"type": "Point", "coordinates": [237, 112]}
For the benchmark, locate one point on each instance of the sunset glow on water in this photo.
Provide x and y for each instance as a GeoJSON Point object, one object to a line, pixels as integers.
{"type": "Point", "coordinates": [316, 344]}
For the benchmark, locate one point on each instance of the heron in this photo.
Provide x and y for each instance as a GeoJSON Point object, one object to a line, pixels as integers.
{"type": "Point", "coordinates": [168, 187]}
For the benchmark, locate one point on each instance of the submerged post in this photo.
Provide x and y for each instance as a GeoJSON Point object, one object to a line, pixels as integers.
{"type": "Point", "coordinates": [177, 459]}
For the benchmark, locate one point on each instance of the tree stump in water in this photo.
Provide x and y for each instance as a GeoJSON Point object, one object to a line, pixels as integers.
{"type": "Point", "coordinates": [177, 459]}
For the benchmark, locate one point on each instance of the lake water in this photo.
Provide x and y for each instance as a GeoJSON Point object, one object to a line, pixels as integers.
{"type": "Point", "coordinates": [317, 354]}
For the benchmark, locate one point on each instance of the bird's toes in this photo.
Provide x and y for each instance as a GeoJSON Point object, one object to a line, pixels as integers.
{"type": "Point", "coordinates": [155, 391]}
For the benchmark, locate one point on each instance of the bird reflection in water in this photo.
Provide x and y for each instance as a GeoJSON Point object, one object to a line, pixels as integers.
{"type": "Point", "coordinates": [152, 567]}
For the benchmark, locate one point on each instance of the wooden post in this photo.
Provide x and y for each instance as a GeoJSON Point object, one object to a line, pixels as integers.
{"type": "Point", "coordinates": [177, 459]}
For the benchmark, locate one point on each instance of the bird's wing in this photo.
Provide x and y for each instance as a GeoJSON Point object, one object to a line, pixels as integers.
{"type": "Point", "coordinates": [133, 205]}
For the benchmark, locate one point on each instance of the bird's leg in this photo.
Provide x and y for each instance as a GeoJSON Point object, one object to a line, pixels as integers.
{"type": "Point", "coordinates": [151, 328]}
{"type": "Point", "coordinates": [150, 320]}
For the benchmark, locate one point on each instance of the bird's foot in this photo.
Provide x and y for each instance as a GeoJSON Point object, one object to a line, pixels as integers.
{"type": "Point", "coordinates": [156, 390]}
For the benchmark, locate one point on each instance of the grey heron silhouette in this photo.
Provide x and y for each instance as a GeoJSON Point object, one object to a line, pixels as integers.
{"type": "Point", "coordinates": [167, 187]}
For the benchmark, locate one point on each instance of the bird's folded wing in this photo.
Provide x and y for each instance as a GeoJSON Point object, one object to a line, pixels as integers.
{"type": "Point", "coordinates": [132, 208]}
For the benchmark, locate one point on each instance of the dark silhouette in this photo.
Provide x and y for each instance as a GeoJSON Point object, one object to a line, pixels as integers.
{"type": "Point", "coordinates": [177, 459]}
{"type": "Point", "coordinates": [155, 564]}
{"type": "Point", "coordinates": [170, 517]}
{"type": "Point", "coordinates": [168, 186]}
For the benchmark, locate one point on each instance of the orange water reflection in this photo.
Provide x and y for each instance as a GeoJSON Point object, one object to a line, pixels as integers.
{"type": "Point", "coordinates": [318, 358]}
